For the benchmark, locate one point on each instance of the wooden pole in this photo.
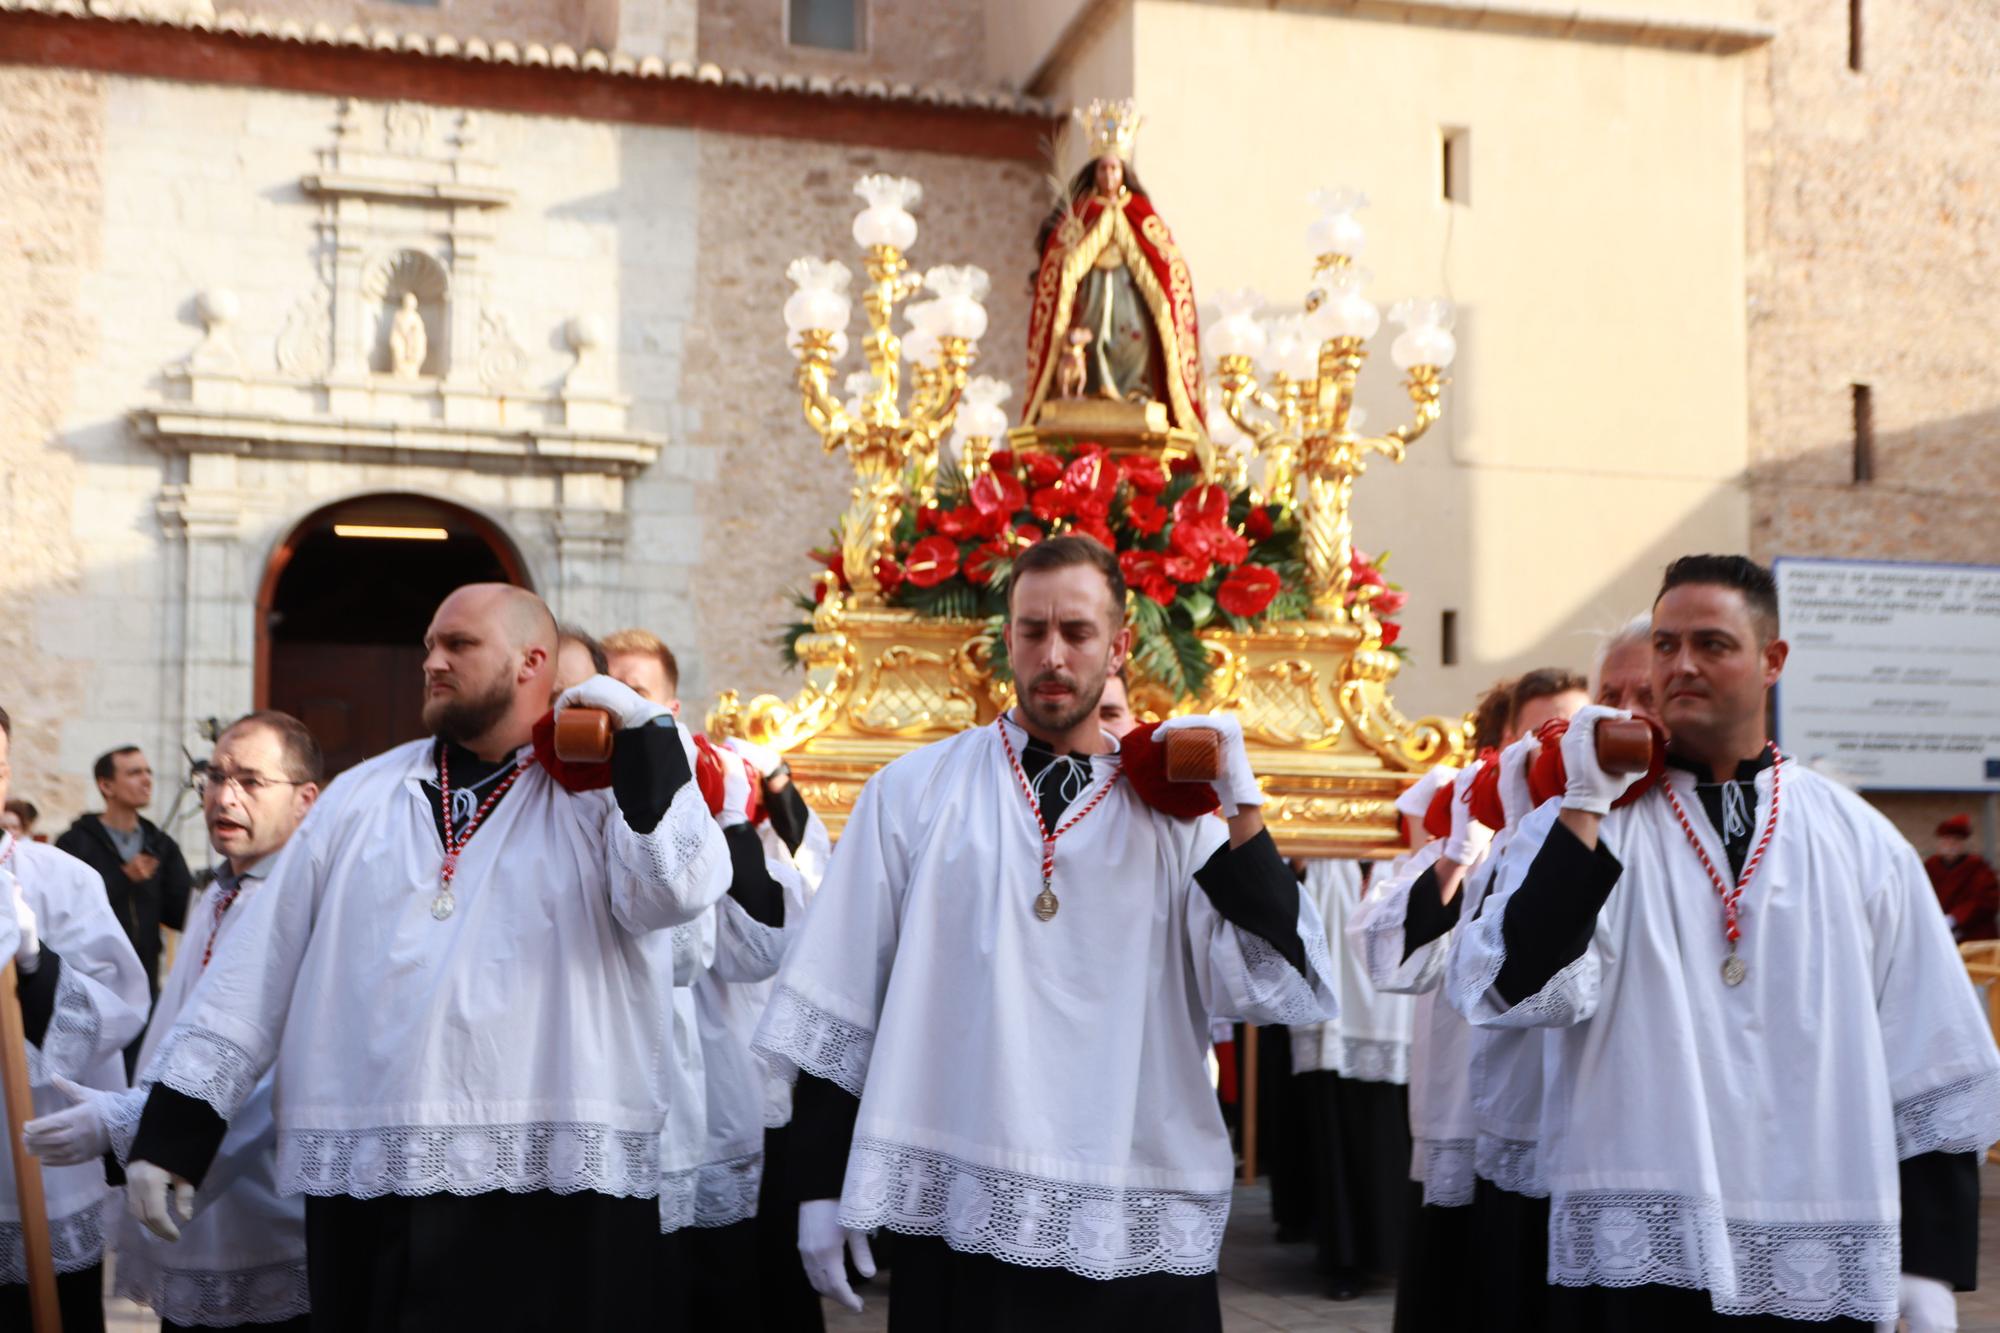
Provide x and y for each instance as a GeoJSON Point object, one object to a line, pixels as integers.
{"type": "Point", "coordinates": [1246, 1100]}
{"type": "Point", "coordinates": [20, 1106]}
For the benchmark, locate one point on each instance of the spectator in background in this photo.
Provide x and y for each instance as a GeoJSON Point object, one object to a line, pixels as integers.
{"type": "Point", "coordinates": [638, 659]}
{"type": "Point", "coordinates": [144, 874]}
{"type": "Point", "coordinates": [19, 818]}
{"type": "Point", "coordinates": [1965, 885]}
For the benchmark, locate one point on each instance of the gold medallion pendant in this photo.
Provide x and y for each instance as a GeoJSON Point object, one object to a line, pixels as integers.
{"type": "Point", "coordinates": [1733, 971]}
{"type": "Point", "coordinates": [1046, 904]}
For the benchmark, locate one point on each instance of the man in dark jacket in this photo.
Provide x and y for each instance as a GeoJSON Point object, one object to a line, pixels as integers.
{"type": "Point", "coordinates": [144, 874]}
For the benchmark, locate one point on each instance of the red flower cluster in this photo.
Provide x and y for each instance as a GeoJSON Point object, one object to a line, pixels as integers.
{"type": "Point", "coordinates": [1365, 572]}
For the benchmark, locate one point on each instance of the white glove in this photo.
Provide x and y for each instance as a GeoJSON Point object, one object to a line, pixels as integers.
{"type": "Point", "coordinates": [823, 1243]}
{"type": "Point", "coordinates": [1235, 786]}
{"type": "Point", "coordinates": [1590, 788]}
{"type": "Point", "coordinates": [1927, 1304]}
{"type": "Point", "coordinates": [146, 1190]}
{"type": "Point", "coordinates": [1416, 798]}
{"type": "Point", "coordinates": [628, 708]}
{"type": "Point", "coordinates": [760, 757]}
{"type": "Point", "coordinates": [1467, 840]}
{"type": "Point", "coordinates": [28, 948]}
{"type": "Point", "coordinates": [735, 790]}
{"type": "Point", "coordinates": [73, 1136]}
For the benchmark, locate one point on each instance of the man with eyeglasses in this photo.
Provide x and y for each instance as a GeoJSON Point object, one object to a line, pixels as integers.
{"type": "Point", "coordinates": [241, 1259]}
{"type": "Point", "coordinates": [145, 876]}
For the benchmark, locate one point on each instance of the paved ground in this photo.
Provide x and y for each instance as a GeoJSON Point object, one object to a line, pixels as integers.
{"type": "Point", "coordinates": [1270, 1286]}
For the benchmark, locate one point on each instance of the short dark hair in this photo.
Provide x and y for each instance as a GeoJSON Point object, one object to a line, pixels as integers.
{"type": "Point", "coordinates": [1491, 714]}
{"type": "Point", "coordinates": [1543, 683]}
{"type": "Point", "coordinates": [599, 661]}
{"type": "Point", "coordinates": [24, 811]}
{"type": "Point", "coordinates": [6, 725]}
{"type": "Point", "coordinates": [106, 767]}
{"type": "Point", "coordinates": [1063, 552]}
{"type": "Point", "coordinates": [302, 752]}
{"type": "Point", "coordinates": [1752, 580]}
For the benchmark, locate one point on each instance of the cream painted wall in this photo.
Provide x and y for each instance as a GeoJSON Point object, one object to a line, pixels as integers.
{"type": "Point", "coordinates": [1021, 33]}
{"type": "Point", "coordinates": [1596, 427]}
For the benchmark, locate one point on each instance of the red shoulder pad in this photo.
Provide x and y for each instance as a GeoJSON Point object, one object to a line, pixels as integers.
{"type": "Point", "coordinates": [1145, 764]}
{"type": "Point", "coordinates": [570, 777]}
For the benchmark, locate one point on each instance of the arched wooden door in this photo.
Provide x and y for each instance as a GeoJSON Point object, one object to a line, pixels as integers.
{"type": "Point", "coordinates": [343, 609]}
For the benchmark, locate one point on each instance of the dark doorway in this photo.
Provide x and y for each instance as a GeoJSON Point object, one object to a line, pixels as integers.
{"type": "Point", "coordinates": [344, 607]}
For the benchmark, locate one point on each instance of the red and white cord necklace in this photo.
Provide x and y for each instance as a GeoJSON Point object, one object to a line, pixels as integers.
{"type": "Point", "coordinates": [1733, 968]}
{"type": "Point", "coordinates": [1046, 902]}
{"type": "Point", "coordinates": [225, 898]}
{"type": "Point", "coordinates": [444, 904]}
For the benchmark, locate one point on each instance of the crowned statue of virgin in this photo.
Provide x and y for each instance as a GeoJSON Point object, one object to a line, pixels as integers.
{"type": "Point", "coordinates": [1113, 320]}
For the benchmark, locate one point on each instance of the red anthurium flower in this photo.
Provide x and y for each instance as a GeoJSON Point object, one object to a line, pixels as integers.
{"type": "Point", "coordinates": [1257, 527]}
{"type": "Point", "coordinates": [819, 592]}
{"type": "Point", "coordinates": [1051, 503]}
{"type": "Point", "coordinates": [1145, 474]}
{"type": "Point", "coordinates": [890, 574]}
{"type": "Point", "coordinates": [1080, 478]}
{"type": "Point", "coordinates": [1391, 632]}
{"type": "Point", "coordinates": [1088, 448]}
{"type": "Point", "coordinates": [979, 565]}
{"type": "Point", "coordinates": [1206, 505]}
{"type": "Point", "coordinates": [1093, 525]}
{"type": "Point", "coordinates": [1389, 601]}
{"type": "Point", "coordinates": [1146, 572]}
{"type": "Point", "coordinates": [1043, 469]}
{"type": "Point", "coordinates": [1368, 577]}
{"type": "Point", "coordinates": [932, 561]}
{"type": "Point", "coordinates": [1187, 568]}
{"type": "Point", "coordinates": [1027, 534]}
{"type": "Point", "coordinates": [1193, 539]}
{"type": "Point", "coordinates": [1001, 460]}
{"type": "Point", "coordinates": [999, 492]}
{"type": "Point", "coordinates": [1144, 513]}
{"type": "Point", "coordinates": [927, 518]}
{"type": "Point", "coordinates": [1181, 467]}
{"type": "Point", "coordinates": [957, 522]}
{"type": "Point", "coordinates": [1231, 548]}
{"type": "Point", "coordinates": [1248, 590]}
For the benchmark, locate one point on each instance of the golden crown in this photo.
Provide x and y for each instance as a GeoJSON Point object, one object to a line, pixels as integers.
{"type": "Point", "coordinates": [1111, 127]}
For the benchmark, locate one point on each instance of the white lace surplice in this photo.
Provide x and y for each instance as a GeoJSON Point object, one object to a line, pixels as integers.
{"type": "Point", "coordinates": [100, 1005]}
{"type": "Point", "coordinates": [242, 1258]}
{"type": "Point", "coordinates": [1442, 1132]}
{"type": "Point", "coordinates": [1370, 1041]}
{"type": "Point", "coordinates": [515, 1045]}
{"type": "Point", "coordinates": [1032, 1090]}
{"type": "Point", "coordinates": [1745, 1140]}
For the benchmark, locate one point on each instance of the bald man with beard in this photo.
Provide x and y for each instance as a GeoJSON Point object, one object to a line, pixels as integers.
{"type": "Point", "coordinates": [448, 971]}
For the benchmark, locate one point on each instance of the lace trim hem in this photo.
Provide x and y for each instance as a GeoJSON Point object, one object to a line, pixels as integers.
{"type": "Point", "coordinates": [1374, 1060]}
{"type": "Point", "coordinates": [763, 945]}
{"type": "Point", "coordinates": [1963, 1116]}
{"type": "Point", "coordinates": [77, 1242]}
{"type": "Point", "coordinates": [677, 1196]}
{"type": "Point", "coordinates": [1514, 1165]}
{"type": "Point", "coordinates": [568, 1158]}
{"type": "Point", "coordinates": [1447, 1171]}
{"type": "Point", "coordinates": [726, 1192]}
{"type": "Point", "coordinates": [1094, 1230]}
{"type": "Point", "coordinates": [70, 1043]}
{"type": "Point", "coordinates": [121, 1123]}
{"type": "Point", "coordinates": [684, 847]}
{"type": "Point", "coordinates": [1279, 992]}
{"type": "Point", "coordinates": [1791, 1270]}
{"type": "Point", "coordinates": [206, 1066]}
{"type": "Point", "coordinates": [795, 1035]}
{"type": "Point", "coordinates": [192, 1297]}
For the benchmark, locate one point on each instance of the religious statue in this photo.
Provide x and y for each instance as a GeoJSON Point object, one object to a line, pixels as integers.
{"type": "Point", "coordinates": [1113, 288]}
{"type": "Point", "coordinates": [408, 343]}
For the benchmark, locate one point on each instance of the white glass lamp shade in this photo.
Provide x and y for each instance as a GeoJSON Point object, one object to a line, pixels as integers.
{"type": "Point", "coordinates": [1220, 428]}
{"type": "Point", "coordinates": [820, 301]}
{"type": "Point", "coordinates": [1426, 337]}
{"type": "Point", "coordinates": [979, 411]}
{"type": "Point", "coordinates": [1334, 229]}
{"type": "Point", "coordinates": [1346, 313]}
{"type": "Point", "coordinates": [960, 290]}
{"type": "Point", "coordinates": [860, 385]}
{"type": "Point", "coordinates": [1232, 328]}
{"type": "Point", "coordinates": [887, 220]}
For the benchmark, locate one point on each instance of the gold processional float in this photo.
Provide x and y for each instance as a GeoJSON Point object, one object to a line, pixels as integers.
{"type": "Point", "coordinates": [1230, 508]}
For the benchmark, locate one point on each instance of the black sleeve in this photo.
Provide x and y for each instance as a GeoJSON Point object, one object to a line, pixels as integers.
{"type": "Point", "coordinates": [1426, 916]}
{"type": "Point", "coordinates": [1941, 1217]}
{"type": "Point", "coordinates": [823, 1115]}
{"type": "Point", "coordinates": [177, 1132]}
{"type": "Point", "coordinates": [750, 883]}
{"type": "Point", "coordinates": [37, 990]}
{"type": "Point", "coordinates": [1550, 917]}
{"type": "Point", "coordinates": [175, 883]}
{"type": "Point", "coordinates": [1256, 891]}
{"type": "Point", "coordinates": [789, 814]}
{"type": "Point", "coordinates": [648, 768]}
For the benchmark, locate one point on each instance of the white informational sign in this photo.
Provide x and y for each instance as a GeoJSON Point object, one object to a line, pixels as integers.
{"type": "Point", "coordinates": [1894, 677]}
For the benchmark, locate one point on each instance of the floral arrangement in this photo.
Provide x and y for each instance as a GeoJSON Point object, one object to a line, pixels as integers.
{"type": "Point", "coordinates": [1195, 555]}
{"type": "Point", "coordinates": [1368, 590]}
